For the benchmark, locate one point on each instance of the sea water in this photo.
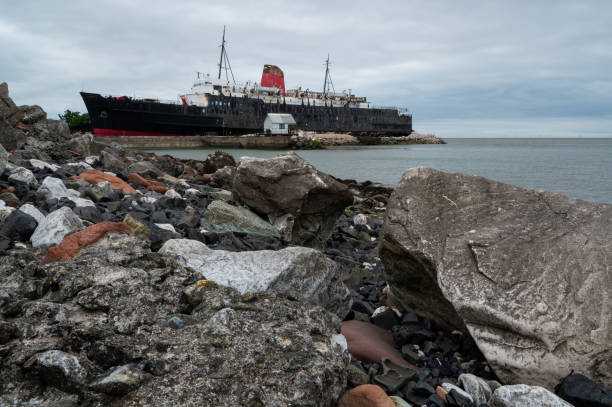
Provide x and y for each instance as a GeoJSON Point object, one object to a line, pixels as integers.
{"type": "Point", "coordinates": [580, 167]}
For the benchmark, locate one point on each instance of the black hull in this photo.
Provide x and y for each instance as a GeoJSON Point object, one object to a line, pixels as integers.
{"type": "Point", "coordinates": [232, 115]}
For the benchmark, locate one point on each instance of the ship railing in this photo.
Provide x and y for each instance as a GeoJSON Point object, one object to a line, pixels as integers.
{"type": "Point", "coordinates": [142, 99]}
{"type": "Point", "coordinates": [403, 111]}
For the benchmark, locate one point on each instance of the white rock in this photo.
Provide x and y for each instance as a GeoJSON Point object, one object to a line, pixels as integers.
{"type": "Point", "coordinates": [166, 226]}
{"type": "Point", "coordinates": [82, 202]}
{"type": "Point", "coordinates": [302, 270]}
{"type": "Point", "coordinates": [360, 219]}
{"type": "Point", "coordinates": [171, 193]}
{"type": "Point", "coordinates": [522, 395]}
{"type": "Point", "coordinates": [91, 159]}
{"type": "Point", "coordinates": [32, 211]}
{"type": "Point", "coordinates": [147, 199]}
{"type": "Point", "coordinates": [448, 387]}
{"type": "Point", "coordinates": [339, 343]}
{"type": "Point", "coordinates": [5, 211]}
{"type": "Point", "coordinates": [56, 225]}
{"type": "Point", "coordinates": [478, 388]}
{"type": "Point", "coordinates": [53, 188]}
{"type": "Point", "coordinates": [41, 165]}
{"type": "Point", "coordinates": [23, 176]}
{"type": "Point", "coordinates": [191, 192]}
{"type": "Point", "coordinates": [81, 166]}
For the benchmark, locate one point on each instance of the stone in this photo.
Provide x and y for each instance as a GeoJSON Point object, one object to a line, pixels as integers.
{"type": "Point", "coordinates": [22, 175]}
{"type": "Point", "coordinates": [166, 226]}
{"type": "Point", "coordinates": [19, 226]}
{"type": "Point", "coordinates": [111, 162]}
{"type": "Point", "coordinates": [73, 243]}
{"type": "Point", "coordinates": [10, 199]}
{"type": "Point", "coordinates": [96, 176]}
{"type": "Point", "coordinates": [522, 395]}
{"type": "Point", "coordinates": [76, 168]}
{"type": "Point", "coordinates": [81, 144]}
{"type": "Point", "coordinates": [223, 217]}
{"type": "Point", "coordinates": [224, 177]}
{"type": "Point", "coordinates": [61, 369]}
{"type": "Point", "coordinates": [394, 376]}
{"type": "Point", "coordinates": [8, 109]}
{"type": "Point", "coordinates": [449, 387]}
{"type": "Point", "coordinates": [171, 193]}
{"type": "Point", "coordinates": [100, 191]}
{"type": "Point", "coordinates": [523, 271]}
{"type": "Point", "coordinates": [119, 380]}
{"type": "Point", "coordinates": [400, 402]}
{"type": "Point", "coordinates": [370, 343]}
{"type": "Point", "coordinates": [356, 375]}
{"type": "Point", "coordinates": [145, 168]}
{"type": "Point", "coordinates": [304, 271]}
{"type": "Point", "coordinates": [366, 395]}
{"type": "Point", "coordinates": [55, 227]}
{"type": "Point", "coordinates": [218, 160]}
{"type": "Point", "coordinates": [32, 114]}
{"type": "Point", "coordinates": [5, 211]}
{"type": "Point", "coordinates": [42, 165]}
{"type": "Point", "coordinates": [384, 317]}
{"type": "Point", "coordinates": [284, 225]}
{"type": "Point", "coordinates": [33, 212]}
{"type": "Point", "coordinates": [221, 194]}
{"type": "Point", "coordinates": [581, 391]}
{"type": "Point", "coordinates": [476, 387]}
{"type": "Point", "coordinates": [53, 188]}
{"type": "Point", "coordinates": [3, 158]}
{"type": "Point", "coordinates": [286, 184]}
{"type": "Point", "coordinates": [150, 185]}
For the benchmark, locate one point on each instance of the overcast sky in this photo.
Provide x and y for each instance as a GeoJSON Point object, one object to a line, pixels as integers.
{"type": "Point", "coordinates": [532, 67]}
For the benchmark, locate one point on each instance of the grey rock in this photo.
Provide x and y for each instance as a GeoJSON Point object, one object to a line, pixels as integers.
{"type": "Point", "coordinates": [284, 225]}
{"type": "Point", "coordinates": [52, 188]}
{"type": "Point", "coordinates": [524, 271]}
{"type": "Point", "coordinates": [81, 144]}
{"type": "Point", "coordinates": [218, 160]}
{"type": "Point", "coordinates": [304, 271]}
{"type": "Point", "coordinates": [32, 114]}
{"type": "Point", "coordinates": [33, 212]}
{"type": "Point", "coordinates": [111, 162]}
{"type": "Point", "coordinates": [221, 194]}
{"type": "Point", "coordinates": [3, 158]}
{"type": "Point", "coordinates": [10, 137]}
{"type": "Point", "coordinates": [9, 111]}
{"type": "Point", "coordinates": [394, 376]}
{"type": "Point", "coordinates": [99, 191]}
{"type": "Point", "coordinates": [286, 184]}
{"type": "Point", "coordinates": [478, 388]}
{"type": "Point", "coordinates": [146, 169]}
{"type": "Point", "coordinates": [522, 395]}
{"type": "Point", "coordinates": [223, 217]}
{"type": "Point", "coordinates": [61, 369]}
{"type": "Point", "coordinates": [119, 380]}
{"type": "Point", "coordinates": [449, 386]}
{"type": "Point", "coordinates": [5, 211]}
{"type": "Point", "coordinates": [39, 164]}
{"type": "Point", "coordinates": [18, 226]}
{"type": "Point", "coordinates": [56, 225]}
{"type": "Point", "coordinates": [22, 175]}
{"type": "Point", "coordinates": [114, 301]}
{"type": "Point", "coordinates": [224, 177]}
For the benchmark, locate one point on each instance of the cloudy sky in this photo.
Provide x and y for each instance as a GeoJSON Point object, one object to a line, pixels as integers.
{"type": "Point", "coordinates": [469, 68]}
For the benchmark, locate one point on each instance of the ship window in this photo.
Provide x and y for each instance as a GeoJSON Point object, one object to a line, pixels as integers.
{"type": "Point", "coordinates": [281, 126]}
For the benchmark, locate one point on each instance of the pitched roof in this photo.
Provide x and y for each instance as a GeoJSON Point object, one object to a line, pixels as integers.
{"type": "Point", "coordinates": [281, 118]}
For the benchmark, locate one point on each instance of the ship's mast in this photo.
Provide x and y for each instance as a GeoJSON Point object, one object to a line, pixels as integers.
{"type": "Point", "coordinates": [224, 61]}
{"type": "Point", "coordinates": [327, 82]}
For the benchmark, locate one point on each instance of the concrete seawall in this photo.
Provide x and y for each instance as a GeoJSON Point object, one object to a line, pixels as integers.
{"type": "Point", "coordinates": [263, 142]}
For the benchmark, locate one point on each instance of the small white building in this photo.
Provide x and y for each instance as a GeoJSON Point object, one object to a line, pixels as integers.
{"type": "Point", "coordinates": [278, 123]}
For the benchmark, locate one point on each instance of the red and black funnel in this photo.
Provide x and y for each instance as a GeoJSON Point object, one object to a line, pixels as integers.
{"type": "Point", "coordinates": [273, 77]}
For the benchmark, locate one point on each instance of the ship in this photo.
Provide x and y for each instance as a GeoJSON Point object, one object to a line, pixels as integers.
{"type": "Point", "coordinates": [217, 106]}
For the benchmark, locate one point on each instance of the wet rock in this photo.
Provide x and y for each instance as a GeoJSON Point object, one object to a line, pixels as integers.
{"type": "Point", "coordinates": [223, 217]}
{"type": "Point", "coordinates": [369, 342]}
{"type": "Point", "coordinates": [61, 369]}
{"type": "Point", "coordinates": [288, 184]}
{"type": "Point", "coordinates": [19, 226]}
{"type": "Point", "coordinates": [366, 395]}
{"type": "Point", "coordinates": [217, 161]}
{"type": "Point", "coordinates": [581, 391]}
{"type": "Point", "coordinates": [304, 271]}
{"type": "Point", "coordinates": [33, 212]}
{"type": "Point", "coordinates": [55, 227]}
{"type": "Point", "coordinates": [119, 380]}
{"type": "Point", "coordinates": [24, 176]}
{"type": "Point", "coordinates": [505, 263]}
{"type": "Point", "coordinates": [73, 243]}
{"type": "Point", "coordinates": [95, 177]}
{"type": "Point", "coordinates": [522, 395]}
{"type": "Point", "coordinates": [224, 177]}
{"type": "Point", "coordinates": [476, 387]}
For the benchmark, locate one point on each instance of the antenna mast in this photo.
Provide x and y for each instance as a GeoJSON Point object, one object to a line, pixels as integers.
{"type": "Point", "coordinates": [327, 78]}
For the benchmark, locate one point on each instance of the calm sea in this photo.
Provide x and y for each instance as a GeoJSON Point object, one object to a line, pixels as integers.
{"type": "Point", "coordinates": [580, 168]}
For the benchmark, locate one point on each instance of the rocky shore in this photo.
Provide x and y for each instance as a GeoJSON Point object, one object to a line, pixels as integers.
{"type": "Point", "coordinates": [130, 279]}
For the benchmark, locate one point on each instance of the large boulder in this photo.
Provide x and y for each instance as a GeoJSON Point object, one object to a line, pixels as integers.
{"type": "Point", "coordinates": [218, 160]}
{"type": "Point", "coordinates": [286, 184]}
{"type": "Point", "coordinates": [526, 272]}
{"type": "Point", "coordinates": [9, 111]}
{"type": "Point", "coordinates": [3, 158]}
{"type": "Point", "coordinates": [223, 217]}
{"type": "Point", "coordinates": [117, 313]}
{"type": "Point", "coordinates": [304, 271]}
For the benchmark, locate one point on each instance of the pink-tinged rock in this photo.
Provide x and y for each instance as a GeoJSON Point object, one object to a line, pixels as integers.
{"type": "Point", "coordinates": [368, 342]}
{"type": "Point", "coordinates": [366, 395]}
{"type": "Point", "coordinates": [150, 185]}
{"type": "Point", "coordinates": [95, 176]}
{"type": "Point", "coordinates": [72, 244]}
